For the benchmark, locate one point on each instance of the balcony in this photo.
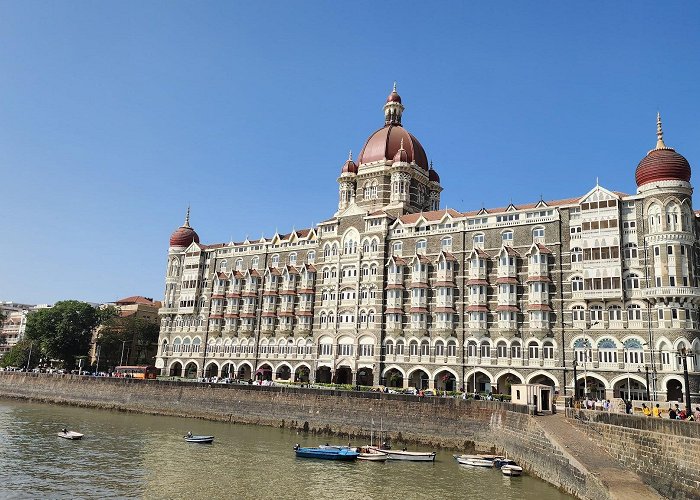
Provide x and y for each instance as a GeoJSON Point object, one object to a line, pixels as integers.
{"type": "Point", "coordinates": [539, 269]}
{"type": "Point", "coordinates": [664, 291]}
{"type": "Point", "coordinates": [507, 271]}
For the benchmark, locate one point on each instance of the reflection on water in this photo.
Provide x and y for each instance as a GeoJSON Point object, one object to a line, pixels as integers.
{"type": "Point", "coordinates": [142, 456]}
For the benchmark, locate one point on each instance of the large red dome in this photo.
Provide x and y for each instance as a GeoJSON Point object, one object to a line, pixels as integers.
{"type": "Point", "coordinates": [662, 164]}
{"type": "Point", "coordinates": [183, 237]}
{"type": "Point", "coordinates": [385, 143]}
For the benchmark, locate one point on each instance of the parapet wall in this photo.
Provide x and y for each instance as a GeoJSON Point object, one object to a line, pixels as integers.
{"type": "Point", "coordinates": [443, 422]}
{"type": "Point", "coordinates": [666, 453]}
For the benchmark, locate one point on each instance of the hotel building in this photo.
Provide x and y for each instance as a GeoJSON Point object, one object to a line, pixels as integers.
{"type": "Point", "coordinates": [393, 290]}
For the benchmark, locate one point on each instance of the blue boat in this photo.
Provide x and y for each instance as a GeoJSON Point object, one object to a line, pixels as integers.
{"type": "Point", "coordinates": [345, 454]}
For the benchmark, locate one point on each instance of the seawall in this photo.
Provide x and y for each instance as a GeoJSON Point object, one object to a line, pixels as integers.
{"type": "Point", "coordinates": [444, 422]}
{"type": "Point", "coordinates": [664, 452]}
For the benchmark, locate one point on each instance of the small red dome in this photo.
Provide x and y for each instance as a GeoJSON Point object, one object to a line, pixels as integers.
{"type": "Point", "coordinates": [401, 155]}
{"type": "Point", "coordinates": [349, 167]}
{"type": "Point", "coordinates": [386, 142]}
{"type": "Point", "coordinates": [662, 164]}
{"type": "Point", "coordinates": [394, 97]}
{"type": "Point", "coordinates": [183, 236]}
{"type": "Point", "coordinates": [433, 175]}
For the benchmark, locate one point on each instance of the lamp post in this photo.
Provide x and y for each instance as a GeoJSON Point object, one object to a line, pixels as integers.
{"type": "Point", "coordinates": [121, 359]}
{"type": "Point", "coordinates": [575, 379]}
{"type": "Point", "coordinates": [646, 377]}
{"type": "Point", "coordinates": [627, 368]}
{"type": "Point", "coordinates": [683, 352]}
{"type": "Point", "coordinates": [29, 358]}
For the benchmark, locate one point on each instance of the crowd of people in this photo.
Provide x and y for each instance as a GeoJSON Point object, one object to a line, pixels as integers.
{"type": "Point", "coordinates": [674, 412]}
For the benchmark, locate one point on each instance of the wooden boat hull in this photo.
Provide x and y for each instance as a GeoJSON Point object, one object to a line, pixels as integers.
{"type": "Point", "coordinates": [512, 470]}
{"type": "Point", "coordinates": [72, 435]}
{"type": "Point", "coordinates": [411, 456]}
{"type": "Point", "coordinates": [200, 439]}
{"type": "Point", "coordinates": [373, 457]}
{"type": "Point", "coordinates": [475, 462]}
{"type": "Point", "coordinates": [341, 454]}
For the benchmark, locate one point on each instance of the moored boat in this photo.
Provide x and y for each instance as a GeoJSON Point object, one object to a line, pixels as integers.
{"type": "Point", "coordinates": [512, 470]}
{"type": "Point", "coordinates": [412, 456]}
{"type": "Point", "coordinates": [72, 435]}
{"type": "Point", "coordinates": [199, 439]}
{"type": "Point", "coordinates": [371, 455]}
{"type": "Point", "coordinates": [326, 453]}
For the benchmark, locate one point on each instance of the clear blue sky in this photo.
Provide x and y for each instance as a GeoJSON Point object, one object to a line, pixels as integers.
{"type": "Point", "coordinates": [114, 116]}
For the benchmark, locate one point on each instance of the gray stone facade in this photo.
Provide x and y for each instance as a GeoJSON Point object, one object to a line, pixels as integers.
{"type": "Point", "coordinates": [391, 292]}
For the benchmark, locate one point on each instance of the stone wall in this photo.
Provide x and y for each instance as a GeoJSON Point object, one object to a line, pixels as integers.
{"type": "Point", "coordinates": [664, 452]}
{"type": "Point", "coordinates": [437, 422]}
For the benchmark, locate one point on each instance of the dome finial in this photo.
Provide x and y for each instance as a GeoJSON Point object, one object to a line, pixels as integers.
{"type": "Point", "coordinates": [401, 147]}
{"type": "Point", "coordinates": [659, 133]}
{"type": "Point", "coordinates": [350, 155]}
{"type": "Point", "coordinates": [394, 90]}
{"type": "Point", "coordinates": [187, 218]}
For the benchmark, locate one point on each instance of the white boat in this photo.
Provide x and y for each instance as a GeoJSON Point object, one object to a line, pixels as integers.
{"type": "Point", "coordinates": [65, 434]}
{"type": "Point", "coordinates": [474, 461]}
{"type": "Point", "coordinates": [512, 470]}
{"type": "Point", "coordinates": [412, 456]}
{"type": "Point", "coordinates": [371, 455]}
{"type": "Point", "coordinates": [199, 439]}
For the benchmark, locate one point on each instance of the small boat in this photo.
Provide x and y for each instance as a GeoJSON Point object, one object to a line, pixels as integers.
{"type": "Point", "coordinates": [371, 455]}
{"type": "Point", "coordinates": [412, 456]}
{"type": "Point", "coordinates": [326, 453]}
{"type": "Point", "coordinates": [72, 435]}
{"type": "Point", "coordinates": [199, 439]}
{"type": "Point", "coordinates": [500, 462]}
{"type": "Point", "coordinates": [512, 470]}
{"type": "Point", "coordinates": [474, 460]}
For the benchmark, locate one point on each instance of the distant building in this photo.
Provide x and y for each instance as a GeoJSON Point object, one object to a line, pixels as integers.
{"type": "Point", "coordinates": [136, 307]}
{"type": "Point", "coordinates": [14, 324]}
{"type": "Point", "coordinates": [392, 290]}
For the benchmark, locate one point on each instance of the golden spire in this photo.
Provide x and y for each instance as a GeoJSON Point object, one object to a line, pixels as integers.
{"type": "Point", "coordinates": [187, 218]}
{"type": "Point", "coordinates": [659, 133]}
{"type": "Point", "coordinates": [401, 148]}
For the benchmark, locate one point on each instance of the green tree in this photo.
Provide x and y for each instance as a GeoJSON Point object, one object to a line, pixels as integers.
{"type": "Point", "coordinates": [64, 331]}
{"type": "Point", "coordinates": [19, 354]}
{"type": "Point", "coordinates": [136, 337]}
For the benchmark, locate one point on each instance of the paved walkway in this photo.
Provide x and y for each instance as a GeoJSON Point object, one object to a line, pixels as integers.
{"type": "Point", "coordinates": [622, 483]}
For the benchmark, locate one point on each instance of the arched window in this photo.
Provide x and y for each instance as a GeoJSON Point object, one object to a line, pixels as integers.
{"type": "Point", "coordinates": [654, 218]}
{"type": "Point", "coordinates": [374, 246]}
{"type": "Point", "coordinates": [478, 240]}
{"type": "Point", "coordinates": [502, 349]}
{"type": "Point", "coordinates": [630, 251]}
{"type": "Point", "coordinates": [421, 246]}
{"type": "Point", "coordinates": [547, 349]}
{"type": "Point", "coordinates": [515, 349]}
{"type": "Point", "coordinates": [293, 259]}
{"type": "Point", "coordinates": [576, 255]}
{"type": "Point", "coordinates": [311, 257]}
{"type": "Point", "coordinates": [634, 312]}
{"type": "Point", "coordinates": [255, 262]}
{"type": "Point", "coordinates": [451, 348]}
{"type": "Point", "coordinates": [485, 349]}
{"type": "Point", "coordinates": [533, 350]}
{"type": "Point", "coordinates": [223, 266]}
{"type": "Point", "coordinates": [538, 234]}
{"type": "Point", "coordinates": [389, 347]}
{"type": "Point", "coordinates": [397, 248]}
{"type": "Point", "coordinates": [239, 264]}
{"type": "Point", "coordinates": [275, 260]}
{"type": "Point", "coordinates": [413, 348]}
{"type": "Point", "coordinates": [471, 348]}
{"type": "Point", "coordinates": [577, 284]}
{"type": "Point", "coordinates": [425, 348]}
{"type": "Point", "coordinates": [607, 351]}
{"type": "Point", "coordinates": [596, 313]}
{"type": "Point", "coordinates": [634, 353]}
{"type": "Point", "coordinates": [578, 313]}
{"type": "Point", "coordinates": [507, 237]}
{"type": "Point", "coordinates": [400, 347]}
{"type": "Point", "coordinates": [334, 249]}
{"type": "Point", "coordinates": [615, 313]}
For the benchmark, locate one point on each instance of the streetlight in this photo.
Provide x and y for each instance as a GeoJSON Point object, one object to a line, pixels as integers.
{"type": "Point", "coordinates": [586, 357]}
{"type": "Point", "coordinates": [646, 377]}
{"type": "Point", "coordinates": [31, 344]}
{"type": "Point", "coordinates": [121, 359]}
{"type": "Point", "coordinates": [683, 352]}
